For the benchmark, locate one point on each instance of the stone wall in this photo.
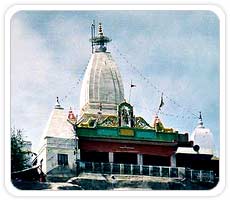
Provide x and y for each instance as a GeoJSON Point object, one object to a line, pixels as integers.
{"type": "Point", "coordinates": [50, 150]}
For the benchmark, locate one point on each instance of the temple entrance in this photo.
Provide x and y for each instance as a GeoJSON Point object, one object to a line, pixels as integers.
{"type": "Point", "coordinates": [156, 160]}
{"type": "Point", "coordinates": [125, 158]}
{"type": "Point", "coordinates": [91, 156]}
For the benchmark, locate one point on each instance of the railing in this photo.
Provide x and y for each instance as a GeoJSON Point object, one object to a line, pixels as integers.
{"type": "Point", "coordinates": [148, 170]}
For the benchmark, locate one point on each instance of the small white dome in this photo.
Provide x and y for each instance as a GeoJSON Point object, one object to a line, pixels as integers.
{"type": "Point", "coordinates": [204, 138]}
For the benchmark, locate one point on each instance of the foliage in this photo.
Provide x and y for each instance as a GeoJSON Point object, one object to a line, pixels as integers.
{"type": "Point", "coordinates": [19, 155]}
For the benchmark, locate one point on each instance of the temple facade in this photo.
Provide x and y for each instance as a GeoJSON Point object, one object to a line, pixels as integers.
{"type": "Point", "coordinates": [107, 130]}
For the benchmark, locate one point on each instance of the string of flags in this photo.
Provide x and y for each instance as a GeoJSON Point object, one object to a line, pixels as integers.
{"type": "Point", "coordinates": [167, 114]}
{"type": "Point", "coordinates": [75, 85]}
{"type": "Point", "coordinates": [134, 85]}
{"type": "Point", "coordinates": [176, 115]}
{"type": "Point", "coordinates": [156, 88]}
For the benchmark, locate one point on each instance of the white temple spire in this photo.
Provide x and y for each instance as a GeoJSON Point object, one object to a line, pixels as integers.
{"type": "Point", "coordinates": [102, 83]}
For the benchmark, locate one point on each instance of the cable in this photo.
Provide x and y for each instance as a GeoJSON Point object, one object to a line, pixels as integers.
{"type": "Point", "coordinates": [76, 84]}
{"type": "Point", "coordinates": [156, 88]}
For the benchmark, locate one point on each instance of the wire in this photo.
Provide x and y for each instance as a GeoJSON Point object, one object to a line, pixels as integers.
{"type": "Point", "coordinates": [76, 84]}
{"type": "Point", "coordinates": [156, 88]}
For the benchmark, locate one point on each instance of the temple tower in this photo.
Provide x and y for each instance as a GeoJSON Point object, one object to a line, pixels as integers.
{"type": "Point", "coordinates": [102, 87]}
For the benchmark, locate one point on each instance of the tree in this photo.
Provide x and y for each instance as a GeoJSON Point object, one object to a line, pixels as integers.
{"type": "Point", "coordinates": [19, 155]}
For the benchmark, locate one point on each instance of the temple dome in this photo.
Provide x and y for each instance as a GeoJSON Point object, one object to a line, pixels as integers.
{"type": "Point", "coordinates": [204, 138]}
{"type": "Point", "coordinates": [102, 87]}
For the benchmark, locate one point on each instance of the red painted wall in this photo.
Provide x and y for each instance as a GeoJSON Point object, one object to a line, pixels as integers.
{"type": "Point", "coordinates": [102, 146]}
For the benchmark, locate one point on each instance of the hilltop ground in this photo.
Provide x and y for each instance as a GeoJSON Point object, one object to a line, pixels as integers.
{"type": "Point", "coordinates": [90, 181]}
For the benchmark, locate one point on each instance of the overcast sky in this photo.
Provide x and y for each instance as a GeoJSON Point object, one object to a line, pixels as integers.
{"type": "Point", "coordinates": [174, 52]}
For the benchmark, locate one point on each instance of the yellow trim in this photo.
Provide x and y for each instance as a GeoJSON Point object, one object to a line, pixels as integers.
{"type": "Point", "coordinates": [126, 132]}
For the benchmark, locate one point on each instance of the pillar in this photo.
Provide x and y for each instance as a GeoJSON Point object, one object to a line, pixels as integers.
{"type": "Point", "coordinates": [173, 160]}
{"type": "Point", "coordinates": [111, 157]}
{"type": "Point", "coordinates": [139, 159]}
{"type": "Point", "coordinates": [78, 154]}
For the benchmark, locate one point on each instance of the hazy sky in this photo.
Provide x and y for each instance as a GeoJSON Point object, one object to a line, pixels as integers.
{"type": "Point", "coordinates": [174, 52]}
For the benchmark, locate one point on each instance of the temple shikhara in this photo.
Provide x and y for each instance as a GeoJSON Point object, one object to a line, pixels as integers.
{"type": "Point", "coordinates": [107, 136]}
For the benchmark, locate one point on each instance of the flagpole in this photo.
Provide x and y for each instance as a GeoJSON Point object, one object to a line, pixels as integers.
{"type": "Point", "coordinates": [161, 104]}
{"type": "Point", "coordinates": [130, 91]}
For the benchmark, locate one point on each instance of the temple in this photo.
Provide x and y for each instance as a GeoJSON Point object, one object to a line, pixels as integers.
{"type": "Point", "coordinates": [108, 131]}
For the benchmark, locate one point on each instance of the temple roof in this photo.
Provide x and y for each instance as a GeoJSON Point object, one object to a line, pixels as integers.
{"type": "Point", "coordinates": [57, 125]}
{"type": "Point", "coordinates": [102, 87]}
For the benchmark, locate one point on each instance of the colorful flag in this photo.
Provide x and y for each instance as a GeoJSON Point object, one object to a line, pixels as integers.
{"type": "Point", "coordinates": [132, 85]}
{"type": "Point", "coordinates": [162, 102]}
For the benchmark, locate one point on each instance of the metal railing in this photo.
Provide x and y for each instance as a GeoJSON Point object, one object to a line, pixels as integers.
{"type": "Point", "coordinates": [147, 170]}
